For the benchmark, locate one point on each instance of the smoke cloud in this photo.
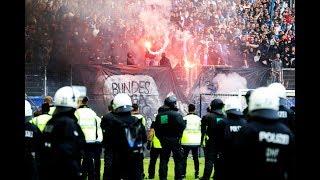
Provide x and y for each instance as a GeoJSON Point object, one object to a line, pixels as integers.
{"type": "Point", "coordinates": [230, 83]}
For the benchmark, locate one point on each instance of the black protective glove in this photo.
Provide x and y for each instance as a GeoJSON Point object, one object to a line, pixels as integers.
{"type": "Point", "coordinates": [148, 145]}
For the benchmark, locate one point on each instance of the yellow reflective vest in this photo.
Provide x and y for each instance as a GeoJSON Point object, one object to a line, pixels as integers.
{"type": "Point", "coordinates": [52, 109]}
{"type": "Point", "coordinates": [41, 121]}
{"type": "Point", "coordinates": [90, 124]}
{"type": "Point", "coordinates": [192, 134]}
{"type": "Point", "coordinates": [139, 116]}
{"type": "Point", "coordinates": [155, 142]}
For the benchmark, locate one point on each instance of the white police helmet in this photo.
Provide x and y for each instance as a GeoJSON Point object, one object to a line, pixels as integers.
{"type": "Point", "coordinates": [27, 108]}
{"type": "Point", "coordinates": [66, 97]}
{"type": "Point", "coordinates": [233, 106]}
{"type": "Point", "coordinates": [278, 89]}
{"type": "Point", "coordinates": [122, 103]}
{"type": "Point", "coordinates": [264, 103]}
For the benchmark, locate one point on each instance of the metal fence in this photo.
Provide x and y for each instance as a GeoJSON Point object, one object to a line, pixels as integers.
{"type": "Point", "coordinates": [205, 100]}
{"type": "Point", "coordinates": [40, 82]}
{"type": "Point", "coordinates": [288, 78]}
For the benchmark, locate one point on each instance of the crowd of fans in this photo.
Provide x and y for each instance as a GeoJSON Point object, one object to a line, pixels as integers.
{"type": "Point", "coordinates": [246, 31]}
{"type": "Point", "coordinates": [255, 30]}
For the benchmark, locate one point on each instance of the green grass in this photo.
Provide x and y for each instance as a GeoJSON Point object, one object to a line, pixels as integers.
{"type": "Point", "coordinates": [190, 168]}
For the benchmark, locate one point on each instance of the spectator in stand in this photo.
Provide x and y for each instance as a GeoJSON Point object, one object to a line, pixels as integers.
{"type": "Point", "coordinates": [164, 61]}
{"type": "Point", "coordinates": [276, 67]}
{"type": "Point", "coordinates": [80, 31]}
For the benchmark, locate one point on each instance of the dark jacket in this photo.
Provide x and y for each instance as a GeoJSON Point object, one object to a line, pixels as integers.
{"type": "Point", "coordinates": [209, 124]}
{"type": "Point", "coordinates": [265, 150]}
{"type": "Point", "coordinates": [63, 146]}
{"type": "Point", "coordinates": [227, 132]}
{"type": "Point", "coordinates": [169, 123]}
{"type": "Point", "coordinates": [106, 127]}
{"type": "Point", "coordinates": [114, 139]}
{"type": "Point", "coordinates": [287, 116]}
{"type": "Point", "coordinates": [33, 145]}
{"type": "Point", "coordinates": [112, 127]}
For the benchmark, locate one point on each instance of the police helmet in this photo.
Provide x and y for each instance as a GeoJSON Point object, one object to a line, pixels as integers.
{"type": "Point", "coordinates": [233, 106]}
{"type": "Point", "coordinates": [170, 101]}
{"type": "Point", "coordinates": [122, 103]}
{"type": "Point", "coordinates": [216, 104]}
{"type": "Point", "coordinates": [66, 97]}
{"type": "Point", "coordinates": [27, 108]}
{"type": "Point", "coordinates": [264, 103]}
{"type": "Point", "coordinates": [278, 89]}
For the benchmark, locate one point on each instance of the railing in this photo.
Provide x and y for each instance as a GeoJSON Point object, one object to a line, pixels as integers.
{"type": "Point", "coordinates": [36, 84]}
{"type": "Point", "coordinates": [41, 83]}
{"type": "Point", "coordinates": [288, 78]}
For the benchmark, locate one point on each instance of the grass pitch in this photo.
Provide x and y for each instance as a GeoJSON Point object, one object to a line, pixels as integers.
{"type": "Point", "coordinates": [189, 174]}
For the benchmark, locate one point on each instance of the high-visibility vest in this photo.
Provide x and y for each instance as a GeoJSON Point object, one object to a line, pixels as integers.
{"type": "Point", "coordinates": [41, 121]}
{"type": "Point", "coordinates": [139, 116]}
{"type": "Point", "coordinates": [192, 133]}
{"type": "Point", "coordinates": [52, 109]}
{"type": "Point", "coordinates": [90, 124]}
{"type": "Point", "coordinates": [155, 142]}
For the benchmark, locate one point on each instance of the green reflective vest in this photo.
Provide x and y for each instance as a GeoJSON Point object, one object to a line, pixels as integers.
{"type": "Point", "coordinates": [192, 133]}
{"type": "Point", "coordinates": [90, 124]}
{"type": "Point", "coordinates": [41, 121]}
{"type": "Point", "coordinates": [139, 116]}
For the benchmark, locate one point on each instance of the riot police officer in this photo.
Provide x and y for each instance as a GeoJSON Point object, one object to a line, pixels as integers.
{"type": "Point", "coordinates": [32, 145]}
{"type": "Point", "coordinates": [227, 132]}
{"type": "Point", "coordinates": [126, 136]}
{"type": "Point", "coordinates": [169, 126]}
{"type": "Point", "coordinates": [90, 125]}
{"type": "Point", "coordinates": [286, 115]}
{"type": "Point", "coordinates": [135, 112]}
{"type": "Point", "coordinates": [265, 146]}
{"type": "Point", "coordinates": [191, 139]}
{"type": "Point", "coordinates": [63, 138]}
{"type": "Point", "coordinates": [106, 125]}
{"type": "Point", "coordinates": [208, 128]}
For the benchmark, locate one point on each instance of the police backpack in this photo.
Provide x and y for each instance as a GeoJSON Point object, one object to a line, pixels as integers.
{"type": "Point", "coordinates": [134, 136]}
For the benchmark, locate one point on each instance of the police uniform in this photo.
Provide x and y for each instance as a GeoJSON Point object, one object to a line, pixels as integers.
{"type": "Point", "coordinates": [63, 139]}
{"type": "Point", "coordinates": [90, 125]}
{"type": "Point", "coordinates": [154, 153]}
{"type": "Point", "coordinates": [190, 140]}
{"type": "Point", "coordinates": [41, 121]}
{"type": "Point", "coordinates": [63, 145]}
{"type": "Point", "coordinates": [169, 126]}
{"type": "Point", "coordinates": [227, 132]}
{"type": "Point", "coordinates": [143, 121]}
{"type": "Point", "coordinates": [126, 162]}
{"type": "Point", "coordinates": [141, 118]}
{"type": "Point", "coordinates": [106, 125]}
{"type": "Point", "coordinates": [32, 150]}
{"type": "Point", "coordinates": [208, 128]}
{"type": "Point", "coordinates": [51, 110]}
{"type": "Point", "coordinates": [115, 139]}
{"type": "Point", "coordinates": [265, 146]}
{"type": "Point", "coordinates": [287, 116]}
